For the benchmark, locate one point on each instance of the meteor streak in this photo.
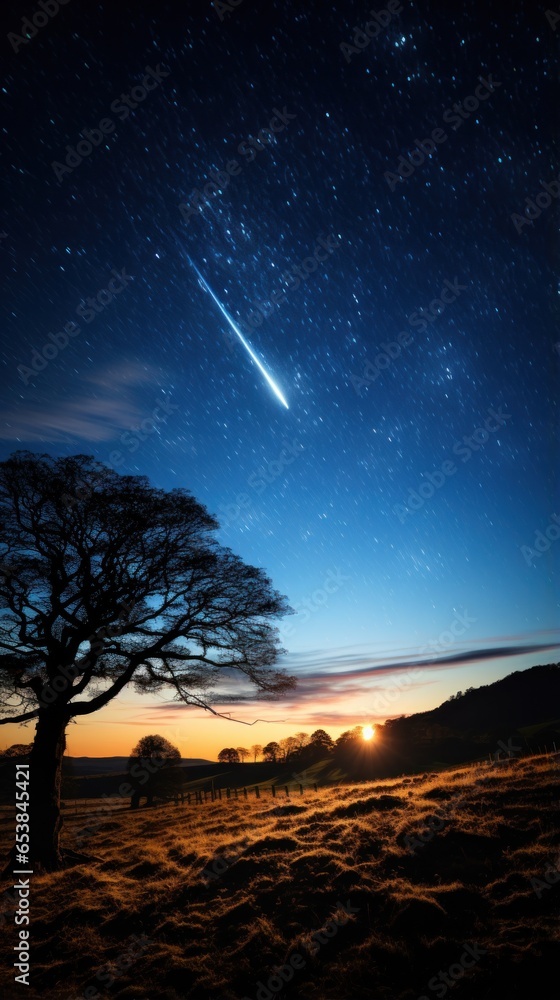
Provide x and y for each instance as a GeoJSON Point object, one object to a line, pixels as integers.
{"type": "Point", "coordinates": [237, 331]}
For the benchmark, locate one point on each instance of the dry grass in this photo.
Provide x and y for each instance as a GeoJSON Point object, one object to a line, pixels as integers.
{"type": "Point", "coordinates": [289, 864]}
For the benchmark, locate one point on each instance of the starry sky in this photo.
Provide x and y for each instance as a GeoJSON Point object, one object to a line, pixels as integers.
{"type": "Point", "coordinates": [407, 320]}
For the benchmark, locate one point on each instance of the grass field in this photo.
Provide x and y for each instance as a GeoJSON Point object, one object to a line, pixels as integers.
{"type": "Point", "coordinates": [325, 887]}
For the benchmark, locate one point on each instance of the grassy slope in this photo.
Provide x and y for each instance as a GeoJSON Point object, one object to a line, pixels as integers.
{"type": "Point", "coordinates": [290, 864]}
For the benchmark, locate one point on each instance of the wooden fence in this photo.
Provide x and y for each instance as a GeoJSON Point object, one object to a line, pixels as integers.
{"type": "Point", "coordinates": [200, 796]}
{"type": "Point", "coordinates": [73, 807]}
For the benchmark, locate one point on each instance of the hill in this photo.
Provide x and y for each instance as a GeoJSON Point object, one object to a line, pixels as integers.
{"type": "Point", "coordinates": [387, 889]}
{"type": "Point", "coordinates": [113, 765]}
{"type": "Point", "coordinates": [520, 699]}
{"type": "Point", "coordinates": [517, 714]}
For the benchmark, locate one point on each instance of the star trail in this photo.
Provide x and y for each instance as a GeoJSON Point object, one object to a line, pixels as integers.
{"type": "Point", "coordinates": [242, 340]}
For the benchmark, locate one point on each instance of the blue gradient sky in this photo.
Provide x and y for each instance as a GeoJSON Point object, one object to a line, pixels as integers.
{"type": "Point", "coordinates": [329, 515]}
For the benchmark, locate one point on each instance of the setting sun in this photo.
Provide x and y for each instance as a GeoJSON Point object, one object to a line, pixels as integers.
{"type": "Point", "coordinates": [368, 732]}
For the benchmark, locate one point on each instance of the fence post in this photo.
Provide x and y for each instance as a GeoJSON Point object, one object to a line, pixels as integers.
{"type": "Point", "coordinates": [287, 792]}
{"type": "Point", "coordinates": [301, 789]}
{"type": "Point", "coordinates": [228, 793]}
{"type": "Point", "coordinates": [257, 792]}
{"type": "Point", "coordinates": [220, 794]}
{"type": "Point", "coordinates": [189, 797]}
{"type": "Point", "coordinates": [235, 790]}
{"type": "Point", "coordinates": [273, 790]}
{"type": "Point", "coordinates": [245, 792]}
{"type": "Point", "coordinates": [315, 786]}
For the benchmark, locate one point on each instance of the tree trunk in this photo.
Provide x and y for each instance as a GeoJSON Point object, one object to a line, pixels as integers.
{"type": "Point", "coordinates": [45, 772]}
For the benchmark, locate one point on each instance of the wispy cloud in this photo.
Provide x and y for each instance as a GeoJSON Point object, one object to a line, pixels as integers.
{"type": "Point", "coordinates": [350, 665]}
{"type": "Point", "coordinates": [327, 682]}
{"type": "Point", "coordinates": [106, 406]}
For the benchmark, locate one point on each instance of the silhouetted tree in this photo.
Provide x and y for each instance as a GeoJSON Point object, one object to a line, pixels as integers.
{"type": "Point", "coordinates": [348, 739]}
{"type": "Point", "coordinates": [256, 750]}
{"type": "Point", "coordinates": [288, 747]}
{"type": "Point", "coordinates": [321, 741]}
{"type": "Point", "coordinates": [106, 581]}
{"type": "Point", "coordinates": [271, 752]}
{"type": "Point", "coordinates": [154, 748]}
{"type": "Point", "coordinates": [228, 756]}
{"type": "Point", "coordinates": [243, 754]}
{"type": "Point", "coordinates": [148, 759]}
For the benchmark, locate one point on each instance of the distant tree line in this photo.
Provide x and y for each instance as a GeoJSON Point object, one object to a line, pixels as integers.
{"type": "Point", "coordinates": [460, 694]}
{"type": "Point", "coordinates": [300, 749]}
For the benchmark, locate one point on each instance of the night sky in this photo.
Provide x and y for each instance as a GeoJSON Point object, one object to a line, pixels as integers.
{"type": "Point", "coordinates": [367, 499]}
